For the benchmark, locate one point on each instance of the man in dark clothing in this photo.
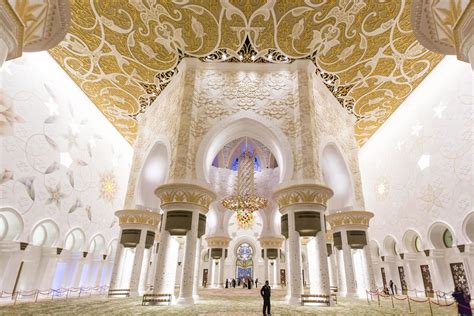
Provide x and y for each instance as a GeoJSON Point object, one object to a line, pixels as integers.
{"type": "Point", "coordinates": [265, 291]}
{"type": "Point", "coordinates": [391, 287]}
{"type": "Point", "coordinates": [249, 282]}
{"type": "Point", "coordinates": [463, 300]}
{"type": "Point", "coordinates": [233, 283]}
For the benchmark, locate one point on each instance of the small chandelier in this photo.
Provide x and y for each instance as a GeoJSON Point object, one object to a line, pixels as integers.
{"type": "Point", "coordinates": [245, 201]}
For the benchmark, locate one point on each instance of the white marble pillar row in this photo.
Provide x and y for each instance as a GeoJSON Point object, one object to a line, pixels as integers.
{"type": "Point", "coordinates": [266, 276]}
{"type": "Point", "coordinates": [211, 279]}
{"type": "Point", "coordinates": [117, 261]}
{"type": "Point", "coordinates": [294, 257]}
{"type": "Point", "coordinates": [197, 265]}
{"type": "Point", "coordinates": [341, 274]}
{"type": "Point", "coordinates": [189, 263]}
{"type": "Point", "coordinates": [137, 264]}
{"type": "Point", "coordinates": [276, 282]}
{"type": "Point", "coordinates": [221, 270]}
{"type": "Point", "coordinates": [46, 269]}
{"type": "Point", "coordinates": [164, 284]}
{"type": "Point", "coordinates": [351, 287]}
{"type": "Point", "coordinates": [322, 285]}
{"type": "Point", "coordinates": [369, 269]}
{"type": "Point", "coordinates": [333, 275]}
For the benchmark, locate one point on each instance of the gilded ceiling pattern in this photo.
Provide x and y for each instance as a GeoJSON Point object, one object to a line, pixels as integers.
{"type": "Point", "coordinates": [123, 53]}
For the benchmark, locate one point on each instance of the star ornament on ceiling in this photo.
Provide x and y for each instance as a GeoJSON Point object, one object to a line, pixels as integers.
{"type": "Point", "coordinates": [415, 130]}
{"type": "Point", "coordinates": [438, 110]}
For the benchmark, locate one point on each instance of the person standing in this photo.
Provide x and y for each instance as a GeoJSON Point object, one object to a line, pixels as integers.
{"type": "Point", "coordinates": [265, 292]}
{"type": "Point", "coordinates": [256, 283]}
{"type": "Point", "coordinates": [391, 287]}
{"type": "Point", "coordinates": [226, 283]}
{"type": "Point", "coordinates": [464, 302]}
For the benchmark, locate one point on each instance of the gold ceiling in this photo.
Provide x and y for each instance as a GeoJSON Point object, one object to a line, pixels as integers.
{"type": "Point", "coordinates": [122, 53]}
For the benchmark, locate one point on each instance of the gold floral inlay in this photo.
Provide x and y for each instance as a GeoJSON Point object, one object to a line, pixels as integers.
{"type": "Point", "coordinates": [122, 54]}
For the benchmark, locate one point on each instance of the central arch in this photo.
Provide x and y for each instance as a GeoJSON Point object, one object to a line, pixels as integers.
{"type": "Point", "coordinates": [244, 125]}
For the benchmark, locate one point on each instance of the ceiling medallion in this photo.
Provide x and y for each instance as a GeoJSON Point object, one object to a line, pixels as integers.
{"type": "Point", "coordinates": [245, 201]}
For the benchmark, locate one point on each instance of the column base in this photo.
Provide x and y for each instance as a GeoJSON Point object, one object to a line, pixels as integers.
{"type": "Point", "coordinates": [294, 300]}
{"type": "Point", "coordinates": [134, 293]}
{"type": "Point", "coordinates": [185, 300]}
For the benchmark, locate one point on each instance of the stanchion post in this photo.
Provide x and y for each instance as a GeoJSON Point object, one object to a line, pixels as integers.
{"type": "Point", "coordinates": [367, 293]}
{"type": "Point", "coordinates": [409, 305]}
{"type": "Point", "coordinates": [36, 297]}
{"type": "Point", "coordinates": [16, 296]}
{"type": "Point", "coordinates": [431, 309]}
{"type": "Point", "coordinates": [391, 297]}
{"type": "Point", "coordinates": [378, 297]}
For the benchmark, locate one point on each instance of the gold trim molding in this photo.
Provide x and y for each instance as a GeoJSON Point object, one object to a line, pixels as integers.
{"type": "Point", "coordinates": [218, 241]}
{"type": "Point", "coordinates": [303, 194]}
{"type": "Point", "coordinates": [183, 193]}
{"type": "Point", "coordinates": [349, 218]}
{"type": "Point", "coordinates": [271, 242]}
{"type": "Point", "coordinates": [141, 217]}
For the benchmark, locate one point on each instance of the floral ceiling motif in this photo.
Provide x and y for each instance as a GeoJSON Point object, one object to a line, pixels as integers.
{"type": "Point", "coordinates": [123, 56]}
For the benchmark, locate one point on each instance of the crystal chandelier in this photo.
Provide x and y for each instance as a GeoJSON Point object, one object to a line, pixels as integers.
{"type": "Point", "coordinates": [245, 201]}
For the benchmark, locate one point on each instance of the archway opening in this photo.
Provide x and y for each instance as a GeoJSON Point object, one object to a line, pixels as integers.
{"type": "Point", "coordinates": [412, 241]}
{"type": "Point", "coordinates": [45, 234]}
{"type": "Point", "coordinates": [11, 224]}
{"type": "Point", "coordinates": [441, 236]}
{"type": "Point", "coordinates": [154, 172]}
{"type": "Point", "coordinates": [75, 240]}
{"type": "Point", "coordinates": [337, 177]}
{"type": "Point", "coordinates": [390, 246]}
{"type": "Point", "coordinates": [469, 227]}
{"type": "Point", "coordinates": [244, 261]}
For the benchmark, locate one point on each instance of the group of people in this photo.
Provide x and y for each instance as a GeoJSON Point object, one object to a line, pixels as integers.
{"type": "Point", "coordinates": [246, 283]}
{"type": "Point", "coordinates": [463, 298]}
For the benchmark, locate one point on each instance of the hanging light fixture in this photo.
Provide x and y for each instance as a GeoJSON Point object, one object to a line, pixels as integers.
{"type": "Point", "coordinates": [245, 201]}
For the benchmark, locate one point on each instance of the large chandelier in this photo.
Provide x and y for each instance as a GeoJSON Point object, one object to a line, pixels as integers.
{"type": "Point", "coordinates": [245, 201]}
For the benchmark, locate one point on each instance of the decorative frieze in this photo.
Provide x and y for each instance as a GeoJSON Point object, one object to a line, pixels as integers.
{"type": "Point", "coordinates": [181, 193]}
{"type": "Point", "coordinates": [142, 217]}
{"type": "Point", "coordinates": [303, 194]}
{"type": "Point", "coordinates": [218, 241]}
{"type": "Point", "coordinates": [271, 241]}
{"type": "Point", "coordinates": [349, 218]}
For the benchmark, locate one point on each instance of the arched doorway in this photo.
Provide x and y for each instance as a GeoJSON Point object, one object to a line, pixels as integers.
{"type": "Point", "coordinates": [244, 261]}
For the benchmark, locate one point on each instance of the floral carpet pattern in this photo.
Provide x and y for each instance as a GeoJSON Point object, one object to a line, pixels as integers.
{"type": "Point", "coordinates": [236, 302]}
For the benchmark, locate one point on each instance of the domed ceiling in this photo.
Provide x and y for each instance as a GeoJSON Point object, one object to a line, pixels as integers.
{"type": "Point", "coordinates": [123, 53]}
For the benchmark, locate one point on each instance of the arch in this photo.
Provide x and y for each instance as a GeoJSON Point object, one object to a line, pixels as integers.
{"type": "Point", "coordinates": [112, 248]}
{"type": "Point", "coordinates": [75, 240]}
{"type": "Point", "coordinates": [45, 234]}
{"type": "Point", "coordinates": [97, 244]}
{"type": "Point", "coordinates": [412, 241]}
{"type": "Point", "coordinates": [468, 227]}
{"type": "Point", "coordinates": [153, 172]}
{"type": "Point", "coordinates": [243, 125]}
{"type": "Point", "coordinates": [438, 235]}
{"type": "Point", "coordinates": [336, 175]}
{"type": "Point", "coordinates": [390, 246]}
{"type": "Point", "coordinates": [11, 224]}
{"type": "Point", "coordinates": [374, 248]}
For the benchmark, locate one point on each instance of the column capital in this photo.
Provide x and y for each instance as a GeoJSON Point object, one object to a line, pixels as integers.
{"type": "Point", "coordinates": [349, 219]}
{"type": "Point", "coordinates": [52, 20]}
{"type": "Point", "coordinates": [313, 195]}
{"type": "Point", "coordinates": [271, 241]}
{"type": "Point", "coordinates": [185, 195]}
{"type": "Point", "coordinates": [140, 218]}
{"type": "Point", "coordinates": [444, 26]}
{"type": "Point", "coordinates": [218, 241]}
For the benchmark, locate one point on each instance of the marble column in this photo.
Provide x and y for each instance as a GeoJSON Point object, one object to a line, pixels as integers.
{"type": "Point", "coordinates": [466, 258]}
{"type": "Point", "coordinates": [164, 267]}
{"type": "Point", "coordinates": [333, 269]}
{"type": "Point", "coordinates": [118, 257]}
{"type": "Point", "coordinates": [189, 263]}
{"type": "Point", "coordinates": [221, 270]}
{"type": "Point", "coordinates": [369, 269]}
{"type": "Point", "coordinates": [137, 264]}
{"type": "Point", "coordinates": [210, 275]}
{"type": "Point", "coordinates": [351, 287]}
{"type": "Point", "coordinates": [266, 276]}
{"type": "Point", "coordinates": [287, 271]}
{"type": "Point", "coordinates": [46, 267]}
{"type": "Point", "coordinates": [276, 283]}
{"type": "Point", "coordinates": [294, 257]}
{"type": "Point", "coordinates": [341, 273]}
{"type": "Point", "coordinates": [196, 269]}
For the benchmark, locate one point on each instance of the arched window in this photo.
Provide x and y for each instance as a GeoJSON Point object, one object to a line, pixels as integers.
{"type": "Point", "coordinates": [447, 239]}
{"type": "Point", "coordinates": [244, 262]}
